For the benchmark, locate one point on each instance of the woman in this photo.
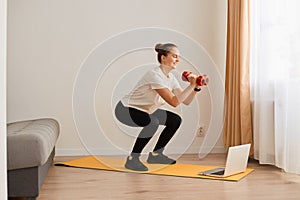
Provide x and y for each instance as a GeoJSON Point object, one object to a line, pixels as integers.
{"type": "Point", "coordinates": [141, 108]}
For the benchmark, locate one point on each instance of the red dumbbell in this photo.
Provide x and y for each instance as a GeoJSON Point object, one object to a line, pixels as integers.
{"type": "Point", "coordinates": [200, 80]}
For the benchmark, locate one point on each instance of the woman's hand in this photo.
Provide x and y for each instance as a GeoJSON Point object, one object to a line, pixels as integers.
{"type": "Point", "coordinates": [192, 79]}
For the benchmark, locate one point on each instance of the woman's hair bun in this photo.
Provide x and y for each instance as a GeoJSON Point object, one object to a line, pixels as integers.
{"type": "Point", "coordinates": [158, 47]}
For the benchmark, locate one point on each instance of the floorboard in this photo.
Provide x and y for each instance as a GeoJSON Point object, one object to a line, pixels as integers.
{"type": "Point", "coordinates": [266, 182]}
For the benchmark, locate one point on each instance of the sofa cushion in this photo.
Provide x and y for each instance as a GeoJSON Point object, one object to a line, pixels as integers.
{"type": "Point", "coordinates": [30, 143]}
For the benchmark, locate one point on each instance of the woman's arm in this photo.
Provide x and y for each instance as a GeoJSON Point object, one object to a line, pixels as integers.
{"type": "Point", "coordinates": [185, 96]}
{"type": "Point", "coordinates": [189, 99]}
{"type": "Point", "coordinates": [174, 100]}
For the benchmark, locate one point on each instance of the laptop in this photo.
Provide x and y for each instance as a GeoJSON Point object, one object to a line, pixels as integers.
{"type": "Point", "coordinates": [237, 159]}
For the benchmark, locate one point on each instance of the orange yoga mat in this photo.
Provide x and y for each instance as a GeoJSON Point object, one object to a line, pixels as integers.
{"type": "Point", "coordinates": [180, 170]}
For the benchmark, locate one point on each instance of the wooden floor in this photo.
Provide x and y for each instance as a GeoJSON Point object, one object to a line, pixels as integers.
{"type": "Point", "coordinates": [266, 182]}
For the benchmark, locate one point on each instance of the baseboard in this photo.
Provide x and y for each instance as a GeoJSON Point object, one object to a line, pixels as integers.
{"type": "Point", "coordinates": [85, 152]}
{"type": "Point", "coordinates": [216, 149]}
{"type": "Point", "coordinates": [113, 152]}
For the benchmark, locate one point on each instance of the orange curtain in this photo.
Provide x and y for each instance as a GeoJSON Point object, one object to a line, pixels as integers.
{"type": "Point", "coordinates": [237, 124]}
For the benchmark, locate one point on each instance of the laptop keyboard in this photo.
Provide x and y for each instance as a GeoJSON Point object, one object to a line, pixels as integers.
{"type": "Point", "coordinates": [221, 172]}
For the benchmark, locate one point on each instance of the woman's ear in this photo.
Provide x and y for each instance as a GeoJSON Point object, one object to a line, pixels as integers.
{"type": "Point", "coordinates": [163, 58]}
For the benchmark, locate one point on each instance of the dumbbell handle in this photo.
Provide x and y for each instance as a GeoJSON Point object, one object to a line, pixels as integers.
{"type": "Point", "coordinates": [200, 80]}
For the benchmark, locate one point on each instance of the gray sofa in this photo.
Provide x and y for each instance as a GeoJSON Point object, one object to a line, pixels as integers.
{"type": "Point", "coordinates": [30, 153]}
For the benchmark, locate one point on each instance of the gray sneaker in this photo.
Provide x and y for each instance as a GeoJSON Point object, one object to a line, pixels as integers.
{"type": "Point", "coordinates": [160, 159]}
{"type": "Point", "coordinates": [135, 164]}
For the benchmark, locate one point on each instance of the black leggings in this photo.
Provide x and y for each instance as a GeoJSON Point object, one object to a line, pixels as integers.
{"type": "Point", "coordinates": [136, 118]}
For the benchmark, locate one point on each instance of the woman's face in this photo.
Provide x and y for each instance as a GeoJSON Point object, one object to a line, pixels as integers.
{"type": "Point", "coordinates": [172, 58]}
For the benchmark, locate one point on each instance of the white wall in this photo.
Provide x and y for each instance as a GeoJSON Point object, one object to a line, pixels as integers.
{"type": "Point", "coordinates": [3, 177]}
{"type": "Point", "coordinates": [49, 40]}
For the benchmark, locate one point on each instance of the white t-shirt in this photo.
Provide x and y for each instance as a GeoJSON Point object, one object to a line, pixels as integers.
{"type": "Point", "coordinates": [144, 97]}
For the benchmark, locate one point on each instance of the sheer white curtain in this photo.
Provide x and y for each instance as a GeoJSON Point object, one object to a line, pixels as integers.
{"type": "Point", "coordinates": [275, 82]}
